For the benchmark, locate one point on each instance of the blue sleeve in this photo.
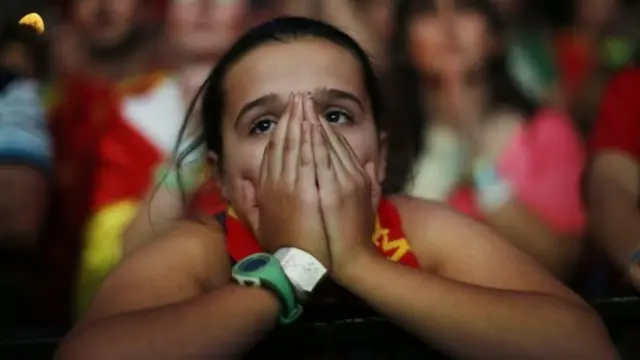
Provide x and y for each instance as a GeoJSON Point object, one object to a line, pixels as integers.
{"type": "Point", "coordinates": [24, 137]}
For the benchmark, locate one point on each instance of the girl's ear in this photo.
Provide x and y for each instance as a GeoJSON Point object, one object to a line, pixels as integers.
{"type": "Point", "coordinates": [215, 169]}
{"type": "Point", "coordinates": [383, 150]}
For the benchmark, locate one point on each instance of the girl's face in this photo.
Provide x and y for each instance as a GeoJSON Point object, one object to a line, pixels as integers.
{"type": "Point", "coordinates": [256, 91]}
{"type": "Point", "coordinates": [205, 28]}
{"type": "Point", "coordinates": [447, 35]}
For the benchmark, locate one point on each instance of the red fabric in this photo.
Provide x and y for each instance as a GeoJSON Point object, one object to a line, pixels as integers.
{"type": "Point", "coordinates": [544, 164]}
{"type": "Point", "coordinates": [241, 242]}
{"type": "Point", "coordinates": [124, 165]}
{"type": "Point", "coordinates": [575, 61]}
{"type": "Point", "coordinates": [98, 159]}
{"type": "Point", "coordinates": [463, 199]}
{"type": "Point", "coordinates": [208, 200]}
{"type": "Point", "coordinates": [618, 124]}
{"type": "Point", "coordinates": [76, 123]}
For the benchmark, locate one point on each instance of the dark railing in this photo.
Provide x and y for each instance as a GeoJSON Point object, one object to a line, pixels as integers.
{"type": "Point", "coordinates": [340, 332]}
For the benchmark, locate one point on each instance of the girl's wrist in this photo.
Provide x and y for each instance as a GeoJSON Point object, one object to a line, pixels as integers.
{"type": "Point", "coordinates": [492, 191]}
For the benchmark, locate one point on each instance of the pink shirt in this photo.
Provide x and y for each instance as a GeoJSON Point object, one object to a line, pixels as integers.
{"type": "Point", "coordinates": [543, 163]}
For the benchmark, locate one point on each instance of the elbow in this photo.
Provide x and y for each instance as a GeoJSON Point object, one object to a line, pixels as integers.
{"type": "Point", "coordinates": [72, 349]}
{"type": "Point", "coordinates": [587, 336]}
{"type": "Point", "coordinates": [82, 343]}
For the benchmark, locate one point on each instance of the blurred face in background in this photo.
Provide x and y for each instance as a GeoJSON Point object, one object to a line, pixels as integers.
{"type": "Point", "coordinates": [507, 7]}
{"type": "Point", "coordinates": [105, 24]}
{"type": "Point", "coordinates": [447, 36]}
{"type": "Point", "coordinates": [378, 15]}
{"type": "Point", "coordinates": [203, 29]}
{"type": "Point", "coordinates": [16, 56]}
{"type": "Point", "coordinates": [594, 14]}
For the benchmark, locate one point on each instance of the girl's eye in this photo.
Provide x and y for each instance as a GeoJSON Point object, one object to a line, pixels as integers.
{"type": "Point", "coordinates": [337, 117]}
{"type": "Point", "coordinates": [262, 126]}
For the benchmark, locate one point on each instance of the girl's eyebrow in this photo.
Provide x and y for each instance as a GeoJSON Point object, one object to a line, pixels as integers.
{"type": "Point", "coordinates": [261, 101]}
{"type": "Point", "coordinates": [325, 94]}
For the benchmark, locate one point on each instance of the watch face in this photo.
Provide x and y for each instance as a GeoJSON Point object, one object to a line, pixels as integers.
{"type": "Point", "coordinates": [254, 263]}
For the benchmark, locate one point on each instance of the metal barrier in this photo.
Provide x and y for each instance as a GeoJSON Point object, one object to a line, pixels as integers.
{"type": "Point", "coordinates": [325, 332]}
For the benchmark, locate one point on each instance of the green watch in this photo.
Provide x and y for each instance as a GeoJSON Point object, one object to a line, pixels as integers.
{"type": "Point", "coordinates": [264, 270]}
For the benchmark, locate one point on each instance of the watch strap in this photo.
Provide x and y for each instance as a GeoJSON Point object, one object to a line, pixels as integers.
{"type": "Point", "coordinates": [303, 270]}
{"type": "Point", "coordinates": [272, 277]}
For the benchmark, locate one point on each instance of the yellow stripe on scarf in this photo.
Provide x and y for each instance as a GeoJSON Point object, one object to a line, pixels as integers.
{"type": "Point", "coordinates": [102, 248]}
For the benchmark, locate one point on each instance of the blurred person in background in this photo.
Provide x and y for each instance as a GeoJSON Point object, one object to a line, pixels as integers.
{"type": "Point", "coordinates": [614, 174]}
{"type": "Point", "coordinates": [25, 166]}
{"type": "Point", "coordinates": [601, 40]}
{"type": "Point", "coordinates": [198, 32]}
{"type": "Point", "coordinates": [116, 117]}
{"type": "Point", "coordinates": [460, 131]}
{"type": "Point", "coordinates": [528, 49]}
{"type": "Point", "coordinates": [368, 21]}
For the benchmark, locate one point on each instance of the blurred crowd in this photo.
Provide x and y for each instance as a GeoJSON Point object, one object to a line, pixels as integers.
{"type": "Point", "coordinates": [93, 99]}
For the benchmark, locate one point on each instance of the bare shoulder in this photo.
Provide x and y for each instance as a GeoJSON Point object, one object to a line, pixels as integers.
{"type": "Point", "coordinates": [468, 251]}
{"type": "Point", "coordinates": [433, 228]}
{"type": "Point", "coordinates": [186, 261]}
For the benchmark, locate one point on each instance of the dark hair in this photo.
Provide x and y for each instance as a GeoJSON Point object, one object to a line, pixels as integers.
{"type": "Point", "coordinates": [34, 43]}
{"type": "Point", "coordinates": [402, 85]}
{"type": "Point", "coordinates": [283, 29]}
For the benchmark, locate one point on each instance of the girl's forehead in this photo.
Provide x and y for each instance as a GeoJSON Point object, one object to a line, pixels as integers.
{"type": "Point", "coordinates": [283, 67]}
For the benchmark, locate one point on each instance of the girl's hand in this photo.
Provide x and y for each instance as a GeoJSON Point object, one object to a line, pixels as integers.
{"type": "Point", "coordinates": [346, 190]}
{"type": "Point", "coordinates": [287, 196]}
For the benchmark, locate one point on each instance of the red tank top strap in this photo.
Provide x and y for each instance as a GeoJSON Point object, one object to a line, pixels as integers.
{"type": "Point", "coordinates": [240, 240]}
{"type": "Point", "coordinates": [389, 237]}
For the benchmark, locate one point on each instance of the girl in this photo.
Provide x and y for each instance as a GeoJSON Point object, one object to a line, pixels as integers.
{"type": "Point", "coordinates": [462, 132]}
{"type": "Point", "coordinates": [300, 156]}
{"type": "Point", "coordinates": [190, 25]}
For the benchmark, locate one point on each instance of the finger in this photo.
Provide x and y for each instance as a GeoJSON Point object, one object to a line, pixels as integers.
{"type": "Point", "coordinates": [376, 189]}
{"type": "Point", "coordinates": [276, 144]}
{"type": "Point", "coordinates": [320, 149]}
{"type": "Point", "coordinates": [342, 174]}
{"type": "Point", "coordinates": [307, 169]}
{"type": "Point", "coordinates": [250, 203]}
{"type": "Point", "coordinates": [354, 161]}
{"type": "Point", "coordinates": [310, 113]}
{"type": "Point", "coordinates": [334, 142]}
{"type": "Point", "coordinates": [264, 165]}
{"type": "Point", "coordinates": [291, 152]}
{"type": "Point", "coordinates": [325, 174]}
